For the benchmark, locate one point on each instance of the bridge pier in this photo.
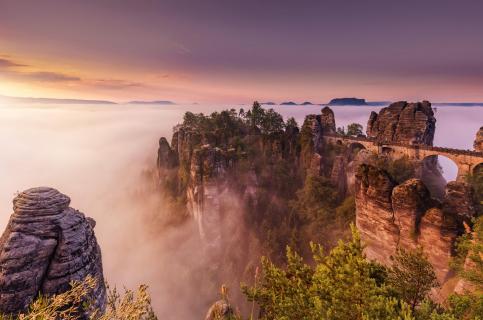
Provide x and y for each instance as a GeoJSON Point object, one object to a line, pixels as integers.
{"type": "Point", "coordinates": [463, 171]}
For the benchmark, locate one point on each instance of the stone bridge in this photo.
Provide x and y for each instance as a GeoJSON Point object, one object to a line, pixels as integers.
{"type": "Point", "coordinates": [465, 160]}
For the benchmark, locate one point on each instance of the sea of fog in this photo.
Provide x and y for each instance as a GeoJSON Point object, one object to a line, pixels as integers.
{"type": "Point", "coordinates": [96, 153]}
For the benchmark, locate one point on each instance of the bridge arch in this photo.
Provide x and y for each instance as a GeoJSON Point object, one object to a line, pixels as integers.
{"type": "Point", "coordinates": [386, 150]}
{"type": "Point", "coordinates": [477, 169]}
{"type": "Point", "coordinates": [436, 172]}
{"type": "Point", "coordinates": [356, 146]}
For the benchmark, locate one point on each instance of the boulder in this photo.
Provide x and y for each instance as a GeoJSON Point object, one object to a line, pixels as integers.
{"type": "Point", "coordinates": [46, 245]}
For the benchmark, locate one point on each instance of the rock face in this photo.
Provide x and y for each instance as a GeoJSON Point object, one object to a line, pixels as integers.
{"type": "Point", "coordinates": [374, 214]}
{"type": "Point", "coordinates": [402, 122]}
{"type": "Point", "coordinates": [167, 158]}
{"type": "Point", "coordinates": [458, 201]}
{"type": "Point", "coordinates": [478, 145]}
{"type": "Point", "coordinates": [391, 216]}
{"type": "Point", "coordinates": [327, 120]}
{"type": "Point", "coordinates": [45, 246]}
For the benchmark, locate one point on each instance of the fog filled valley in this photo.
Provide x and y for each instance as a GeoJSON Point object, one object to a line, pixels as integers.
{"type": "Point", "coordinates": [104, 158]}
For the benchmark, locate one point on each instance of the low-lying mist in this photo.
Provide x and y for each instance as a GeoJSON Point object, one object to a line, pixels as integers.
{"type": "Point", "coordinates": [96, 155]}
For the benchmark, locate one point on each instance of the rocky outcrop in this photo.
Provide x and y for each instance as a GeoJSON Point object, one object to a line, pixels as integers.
{"type": "Point", "coordinates": [458, 201]}
{"type": "Point", "coordinates": [327, 120]}
{"type": "Point", "coordinates": [338, 176]}
{"type": "Point", "coordinates": [391, 216]}
{"type": "Point", "coordinates": [207, 182]}
{"type": "Point", "coordinates": [167, 157]}
{"type": "Point", "coordinates": [374, 214]}
{"type": "Point", "coordinates": [220, 310]}
{"type": "Point", "coordinates": [45, 246]}
{"type": "Point", "coordinates": [437, 234]}
{"type": "Point", "coordinates": [313, 129]}
{"type": "Point", "coordinates": [403, 122]}
{"type": "Point", "coordinates": [478, 144]}
{"type": "Point", "coordinates": [410, 200]}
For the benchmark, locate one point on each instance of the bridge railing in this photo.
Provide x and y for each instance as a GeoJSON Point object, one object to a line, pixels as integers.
{"type": "Point", "coordinates": [405, 145]}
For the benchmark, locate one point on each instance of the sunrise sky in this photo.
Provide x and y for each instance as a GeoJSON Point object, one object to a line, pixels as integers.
{"type": "Point", "coordinates": [238, 51]}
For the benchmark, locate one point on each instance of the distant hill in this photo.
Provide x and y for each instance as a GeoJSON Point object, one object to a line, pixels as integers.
{"type": "Point", "coordinates": [348, 102]}
{"type": "Point", "coordinates": [458, 104]}
{"type": "Point", "coordinates": [288, 103]}
{"type": "Point", "coordinates": [378, 103]}
{"type": "Point", "coordinates": [269, 103]}
{"type": "Point", "coordinates": [54, 101]}
{"type": "Point", "coordinates": [307, 103]}
{"type": "Point", "coordinates": [161, 102]}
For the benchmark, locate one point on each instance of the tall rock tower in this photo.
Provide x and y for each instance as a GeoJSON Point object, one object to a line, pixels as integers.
{"type": "Point", "coordinates": [45, 246]}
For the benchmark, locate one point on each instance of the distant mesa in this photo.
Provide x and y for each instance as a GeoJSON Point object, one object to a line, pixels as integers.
{"type": "Point", "coordinates": [288, 103]}
{"type": "Point", "coordinates": [270, 103]}
{"type": "Point", "coordinates": [348, 102]}
{"type": "Point", "coordinates": [307, 103]}
{"type": "Point", "coordinates": [158, 102]}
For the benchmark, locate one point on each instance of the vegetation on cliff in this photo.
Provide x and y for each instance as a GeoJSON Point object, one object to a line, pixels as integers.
{"type": "Point", "coordinates": [345, 285]}
{"type": "Point", "coordinates": [296, 198]}
{"type": "Point", "coordinates": [259, 150]}
{"type": "Point", "coordinates": [72, 305]}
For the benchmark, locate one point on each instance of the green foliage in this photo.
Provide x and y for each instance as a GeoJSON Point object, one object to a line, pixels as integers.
{"type": "Point", "coordinates": [457, 307]}
{"type": "Point", "coordinates": [354, 129]}
{"type": "Point", "coordinates": [400, 169]}
{"type": "Point", "coordinates": [412, 276]}
{"type": "Point", "coordinates": [346, 211]}
{"type": "Point", "coordinates": [340, 286]}
{"type": "Point", "coordinates": [469, 260]}
{"type": "Point", "coordinates": [476, 181]}
{"type": "Point", "coordinates": [341, 131]}
{"type": "Point", "coordinates": [71, 305]}
{"type": "Point", "coordinates": [68, 305]}
{"type": "Point", "coordinates": [316, 200]}
{"type": "Point", "coordinates": [128, 306]}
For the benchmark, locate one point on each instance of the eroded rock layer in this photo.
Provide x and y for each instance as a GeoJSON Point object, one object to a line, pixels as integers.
{"type": "Point", "coordinates": [391, 216]}
{"type": "Point", "coordinates": [45, 246]}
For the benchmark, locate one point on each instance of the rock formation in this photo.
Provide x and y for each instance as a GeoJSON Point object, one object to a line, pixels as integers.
{"type": "Point", "coordinates": [458, 201]}
{"type": "Point", "coordinates": [478, 145]}
{"type": "Point", "coordinates": [391, 216]}
{"type": "Point", "coordinates": [402, 122]}
{"type": "Point", "coordinates": [374, 214]}
{"type": "Point", "coordinates": [220, 310]}
{"type": "Point", "coordinates": [327, 120]}
{"type": "Point", "coordinates": [45, 246]}
{"type": "Point", "coordinates": [167, 158]}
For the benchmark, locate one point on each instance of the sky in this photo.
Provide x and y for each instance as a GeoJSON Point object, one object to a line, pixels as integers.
{"type": "Point", "coordinates": [227, 51]}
